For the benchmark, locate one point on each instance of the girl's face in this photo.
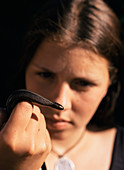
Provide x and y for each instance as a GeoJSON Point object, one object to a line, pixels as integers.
{"type": "Point", "coordinates": [75, 78]}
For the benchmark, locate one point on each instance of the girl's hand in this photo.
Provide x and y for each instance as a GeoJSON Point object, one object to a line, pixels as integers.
{"type": "Point", "coordinates": [24, 140]}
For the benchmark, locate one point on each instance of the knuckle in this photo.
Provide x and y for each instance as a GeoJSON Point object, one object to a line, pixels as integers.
{"type": "Point", "coordinates": [8, 141]}
{"type": "Point", "coordinates": [48, 148]}
{"type": "Point", "coordinates": [45, 145]}
{"type": "Point", "coordinates": [43, 120]}
{"type": "Point", "coordinates": [48, 144]}
{"type": "Point", "coordinates": [30, 150]}
{"type": "Point", "coordinates": [43, 148]}
{"type": "Point", "coordinates": [25, 105]}
{"type": "Point", "coordinates": [36, 109]}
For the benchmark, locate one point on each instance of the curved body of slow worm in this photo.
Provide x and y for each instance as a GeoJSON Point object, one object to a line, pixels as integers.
{"type": "Point", "coordinates": [31, 97]}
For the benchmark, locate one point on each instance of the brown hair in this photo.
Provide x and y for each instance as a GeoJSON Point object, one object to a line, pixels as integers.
{"type": "Point", "coordinates": [90, 24]}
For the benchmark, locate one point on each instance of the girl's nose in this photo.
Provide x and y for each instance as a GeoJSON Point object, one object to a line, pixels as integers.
{"type": "Point", "coordinates": [63, 95]}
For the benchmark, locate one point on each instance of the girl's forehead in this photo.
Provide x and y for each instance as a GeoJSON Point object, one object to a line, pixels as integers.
{"type": "Point", "coordinates": [55, 52]}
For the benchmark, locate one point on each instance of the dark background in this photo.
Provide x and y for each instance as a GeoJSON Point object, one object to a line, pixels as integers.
{"type": "Point", "coordinates": [14, 19]}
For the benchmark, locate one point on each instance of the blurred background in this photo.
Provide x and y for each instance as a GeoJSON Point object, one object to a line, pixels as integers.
{"type": "Point", "coordinates": [14, 19]}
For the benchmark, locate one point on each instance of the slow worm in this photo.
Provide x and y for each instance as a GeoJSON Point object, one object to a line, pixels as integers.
{"type": "Point", "coordinates": [33, 98]}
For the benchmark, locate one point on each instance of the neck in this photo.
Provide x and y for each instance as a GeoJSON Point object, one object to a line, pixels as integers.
{"type": "Point", "coordinates": [66, 143]}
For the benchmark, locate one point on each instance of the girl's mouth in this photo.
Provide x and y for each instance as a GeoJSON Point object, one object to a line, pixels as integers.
{"type": "Point", "coordinates": [57, 124]}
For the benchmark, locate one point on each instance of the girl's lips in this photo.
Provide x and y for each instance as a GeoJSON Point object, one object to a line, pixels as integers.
{"type": "Point", "coordinates": [57, 124]}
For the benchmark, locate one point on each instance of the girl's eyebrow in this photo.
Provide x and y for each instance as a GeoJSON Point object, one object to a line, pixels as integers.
{"type": "Point", "coordinates": [40, 67]}
{"type": "Point", "coordinates": [36, 65]}
{"type": "Point", "coordinates": [86, 80]}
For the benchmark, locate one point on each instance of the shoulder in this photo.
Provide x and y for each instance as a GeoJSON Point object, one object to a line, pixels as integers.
{"type": "Point", "coordinates": [120, 136]}
{"type": "Point", "coordinates": [120, 129]}
{"type": "Point", "coordinates": [119, 142]}
{"type": "Point", "coordinates": [118, 150]}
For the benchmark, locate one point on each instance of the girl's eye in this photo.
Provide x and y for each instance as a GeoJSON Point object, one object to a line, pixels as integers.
{"type": "Point", "coordinates": [81, 85]}
{"type": "Point", "coordinates": [45, 74]}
